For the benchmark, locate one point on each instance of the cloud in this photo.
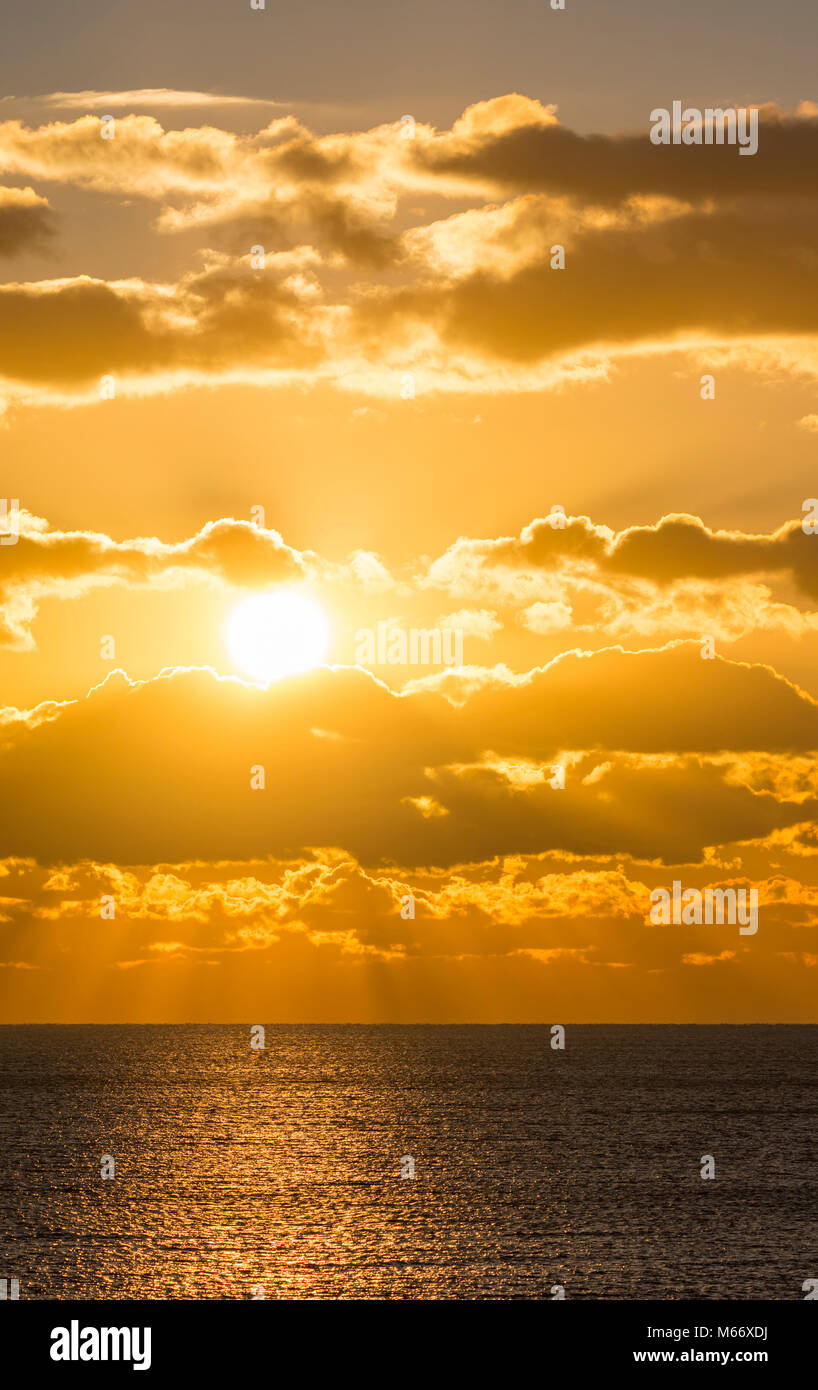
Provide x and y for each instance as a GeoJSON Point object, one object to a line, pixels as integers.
{"type": "Point", "coordinates": [677, 547]}
{"type": "Point", "coordinates": [480, 623]}
{"type": "Point", "coordinates": [514, 143]}
{"type": "Point", "coordinates": [161, 770]}
{"type": "Point", "coordinates": [675, 579]}
{"type": "Point", "coordinates": [508, 144]}
{"type": "Point", "coordinates": [661, 245]}
{"type": "Point", "coordinates": [701, 958]}
{"type": "Point", "coordinates": [527, 926]}
{"type": "Point", "coordinates": [26, 221]}
{"type": "Point", "coordinates": [142, 158]}
{"type": "Point", "coordinates": [217, 173]}
{"type": "Point", "coordinates": [697, 277]}
{"type": "Point", "coordinates": [217, 321]}
{"type": "Point", "coordinates": [67, 564]}
{"type": "Point", "coordinates": [157, 98]}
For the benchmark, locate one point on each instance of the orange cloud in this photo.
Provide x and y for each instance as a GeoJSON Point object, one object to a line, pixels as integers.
{"type": "Point", "coordinates": [179, 782]}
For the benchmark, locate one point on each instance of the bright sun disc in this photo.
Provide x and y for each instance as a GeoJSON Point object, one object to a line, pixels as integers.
{"type": "Point", "coordinates": [274, 635]}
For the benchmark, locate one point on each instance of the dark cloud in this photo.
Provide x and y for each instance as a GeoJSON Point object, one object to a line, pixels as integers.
{"type": "Point", "coordinates": [529, 153]}
{"type": "Point", "coordinates": [72, 333]}
{"type": "Point", "coordinates": [161, 771]}
{"type": "Point", "coordinates": [678, 547]}
{"type": "Point", "coordinates": [44, 562]}
{"type": "Point", "coordinates": [729, 273]}
{"type": "Point", "coordinates": [26, 221]}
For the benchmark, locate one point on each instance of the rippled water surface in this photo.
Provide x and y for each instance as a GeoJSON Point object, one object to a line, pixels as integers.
{"type": "Point", "coordinates": [533, 1167]}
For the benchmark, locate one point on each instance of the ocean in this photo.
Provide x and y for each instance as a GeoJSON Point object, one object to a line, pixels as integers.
{"type": "Point", "coordinates": [538, 1173]}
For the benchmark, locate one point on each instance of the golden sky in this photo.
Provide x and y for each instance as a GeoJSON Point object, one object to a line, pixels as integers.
{"type": "Point", "coordinates": [271, 342]}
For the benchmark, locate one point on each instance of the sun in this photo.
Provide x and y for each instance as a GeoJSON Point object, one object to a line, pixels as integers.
{"type": "Point", "coordinates": [275, 634]}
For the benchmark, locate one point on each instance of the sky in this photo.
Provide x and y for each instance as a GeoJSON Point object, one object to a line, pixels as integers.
{"type": "Point", "coordinates": [321, 326]}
